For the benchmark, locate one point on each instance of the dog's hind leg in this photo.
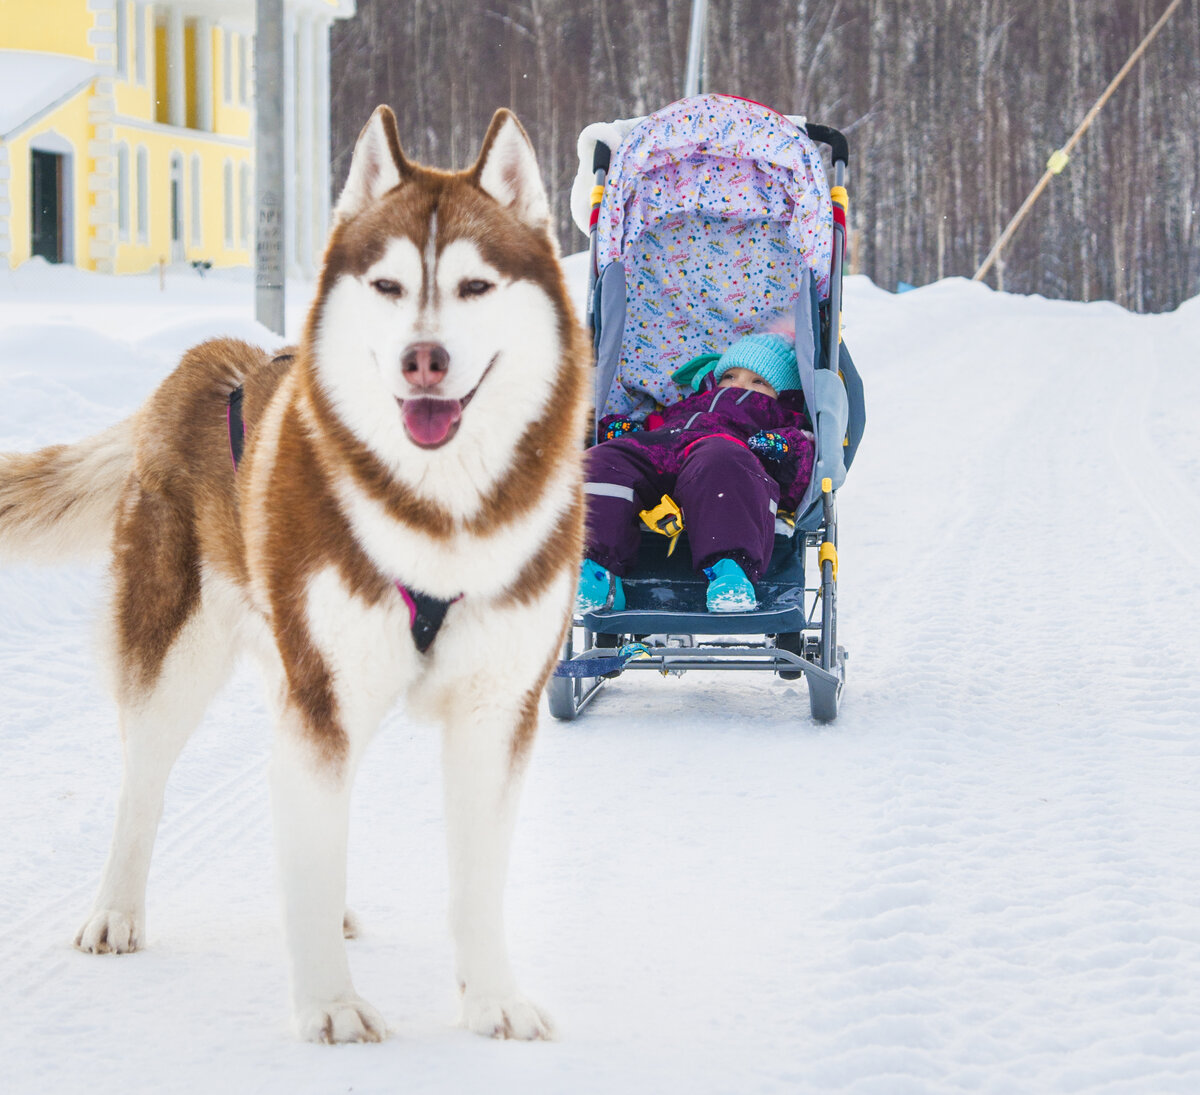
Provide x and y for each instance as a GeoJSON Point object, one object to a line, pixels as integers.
{"type": "Point", "coordinates": [172, 651]}
{"type": "Point", "coordinates": [154, 728]}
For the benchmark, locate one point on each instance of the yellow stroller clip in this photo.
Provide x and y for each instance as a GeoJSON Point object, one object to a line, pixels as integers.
{"type": "Point", "coordinates": [665, 518]}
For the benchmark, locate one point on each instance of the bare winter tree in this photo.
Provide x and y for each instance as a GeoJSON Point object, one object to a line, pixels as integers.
{"type": "Point", "coordinates": [952, 107]}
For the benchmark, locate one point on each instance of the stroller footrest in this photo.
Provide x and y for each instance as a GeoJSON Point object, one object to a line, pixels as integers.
{"type": "Point", "coordinates": [599, 662]}
{"type": "Point", "coordinates": [768, 621]}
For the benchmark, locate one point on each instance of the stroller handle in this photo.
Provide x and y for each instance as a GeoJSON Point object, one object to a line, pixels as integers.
{"type": "Point", "coordinates": [832, 137]}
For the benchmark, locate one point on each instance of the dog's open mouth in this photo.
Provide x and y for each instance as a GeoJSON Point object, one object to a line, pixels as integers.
{"type": "Point", "coordinates": [431, 422]}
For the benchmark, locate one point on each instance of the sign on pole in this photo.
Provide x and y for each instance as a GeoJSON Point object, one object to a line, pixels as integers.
{"type": "Point", "coordinates": [270, 210]}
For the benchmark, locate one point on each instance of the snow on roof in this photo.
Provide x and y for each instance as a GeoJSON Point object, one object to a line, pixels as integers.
{"type": "Point", "coordinates": [32, 82]}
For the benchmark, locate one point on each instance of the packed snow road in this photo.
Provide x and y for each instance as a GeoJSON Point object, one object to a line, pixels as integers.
{"type": "Point", "coordinates": [985, 876]}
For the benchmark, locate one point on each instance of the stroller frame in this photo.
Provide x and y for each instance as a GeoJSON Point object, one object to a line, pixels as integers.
{"type": "Point", "coordinates": [795, 625]}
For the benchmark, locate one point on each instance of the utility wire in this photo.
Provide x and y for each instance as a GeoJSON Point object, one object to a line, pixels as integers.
{"type": "Point", "coordinates": [1058, 159]}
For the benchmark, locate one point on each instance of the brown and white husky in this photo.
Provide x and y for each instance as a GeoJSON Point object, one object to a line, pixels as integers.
{"type": "Point", "coordinates": [419, 455]}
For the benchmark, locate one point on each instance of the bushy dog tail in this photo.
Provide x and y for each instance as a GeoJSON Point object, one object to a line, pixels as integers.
{"type": "Point", "coordinates": [61, 503]}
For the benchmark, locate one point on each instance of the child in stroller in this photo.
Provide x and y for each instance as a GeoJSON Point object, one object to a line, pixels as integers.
{"type": "Point", "coordinates": [730, 455]}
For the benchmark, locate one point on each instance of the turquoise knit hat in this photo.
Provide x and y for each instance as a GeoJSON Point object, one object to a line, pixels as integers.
{"type": "Point", "coordinates": [770, 355]}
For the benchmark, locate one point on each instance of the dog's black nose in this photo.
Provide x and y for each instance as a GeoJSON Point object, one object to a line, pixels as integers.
{"type": "Point", "coordinates": [425, 364]}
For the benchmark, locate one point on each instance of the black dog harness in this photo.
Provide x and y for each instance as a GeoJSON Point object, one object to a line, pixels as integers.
{"type": "Point", "coordinates": [425, 613]}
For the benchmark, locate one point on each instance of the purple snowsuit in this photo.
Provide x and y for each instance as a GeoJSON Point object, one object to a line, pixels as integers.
{"type": "Point", "coordinates": [695, 450]}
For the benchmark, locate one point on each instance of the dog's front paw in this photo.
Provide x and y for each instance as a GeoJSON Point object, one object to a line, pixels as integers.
{"type": "Point", "coordinates": [506, 1017]}
{"type": "Point", "coordinates": [110, 931]}
{"type": "Point", "coordinates": [336, 1021]}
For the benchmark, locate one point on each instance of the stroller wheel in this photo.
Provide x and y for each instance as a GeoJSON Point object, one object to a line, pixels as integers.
{"type": "Point", "coordinates": [793, 643]}
{"type": "Point", "coordinates": [561, 694]}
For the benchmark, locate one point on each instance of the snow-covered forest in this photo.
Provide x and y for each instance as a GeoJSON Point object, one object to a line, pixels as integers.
{"type": "Point", "coordinates": [952, 107]}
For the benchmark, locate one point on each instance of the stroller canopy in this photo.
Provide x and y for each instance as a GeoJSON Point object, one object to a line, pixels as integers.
{"type": "Point", "coordinates": [718, 211]}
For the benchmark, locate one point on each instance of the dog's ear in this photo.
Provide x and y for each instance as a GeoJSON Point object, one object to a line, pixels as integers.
{"type": "Point", "coordinates": [376, 166]}
{"type": "Point", "coordinates": [507, 170]}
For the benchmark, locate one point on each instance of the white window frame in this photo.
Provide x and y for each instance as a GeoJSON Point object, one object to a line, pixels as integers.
{"type": "Point", "coordinates": [246, 196]}
{"type": "Point", "coordinates": [177, 212]}
{"type": "Point", "coordinates": [122, 39]}
{"type": "Point", "coordinates": [143, 194]}
{"type": "Point", "coordinates": [194, 200]}
{"type": "Point", "coordinates": [244, 69]}
{"type": "Point", "coordinates": [139, 42]}
{"type": "Point", "coordinates": [229, 203]}
{"type": "Point", "coordinates": [123, 195]}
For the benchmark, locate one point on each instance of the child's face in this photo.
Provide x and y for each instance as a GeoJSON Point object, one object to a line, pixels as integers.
{"type": "Point", "coordinates": [737, 377]}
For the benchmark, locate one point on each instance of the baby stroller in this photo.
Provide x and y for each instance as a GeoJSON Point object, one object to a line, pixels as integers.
{"type": "Point", "coordinates": [709, 220]}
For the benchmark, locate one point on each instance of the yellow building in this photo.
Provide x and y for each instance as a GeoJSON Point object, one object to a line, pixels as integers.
{"type": "Point", "coordinates": [127, 131]}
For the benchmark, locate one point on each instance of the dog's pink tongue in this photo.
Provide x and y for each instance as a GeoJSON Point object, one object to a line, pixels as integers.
{"type": "Point", "coordinates": [429, 421]}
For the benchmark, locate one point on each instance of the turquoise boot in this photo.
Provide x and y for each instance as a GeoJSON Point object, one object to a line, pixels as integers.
{"type": "Point", "coordinates": [599, 588]}
{"type": "Point", "coordinates": [729, 590]}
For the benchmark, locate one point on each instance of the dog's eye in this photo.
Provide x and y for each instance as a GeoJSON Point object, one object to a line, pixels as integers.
{"type": "Point", "coordinates": [388, 288]}
{"type": "Point", "coordinates": [474, 287]}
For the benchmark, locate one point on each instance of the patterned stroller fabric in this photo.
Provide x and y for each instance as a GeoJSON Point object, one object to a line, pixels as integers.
{"type": "Point", "coordinates": [719, 211]}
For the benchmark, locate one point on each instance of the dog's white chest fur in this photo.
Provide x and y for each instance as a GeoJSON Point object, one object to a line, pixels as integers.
{"type": "Point", "coordinates": [483, 562]}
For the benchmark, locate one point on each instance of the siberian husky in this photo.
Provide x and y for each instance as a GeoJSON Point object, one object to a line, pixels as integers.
{"type": "Point", "coordinates": [416, 461]}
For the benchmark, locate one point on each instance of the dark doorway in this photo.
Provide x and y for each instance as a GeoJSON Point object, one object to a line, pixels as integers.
{"type": "Point", "coordinates": [46, 214]}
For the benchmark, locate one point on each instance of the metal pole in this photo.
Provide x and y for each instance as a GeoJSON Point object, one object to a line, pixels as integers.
{"type": "Point", "coordinates": [835, 280]}
{"type": "Point", "coordinates": [1058, 160]}
{"type": "Point", "coordinates": [268, 165]}
{"type": "Point", "coordinates": [695, 57]}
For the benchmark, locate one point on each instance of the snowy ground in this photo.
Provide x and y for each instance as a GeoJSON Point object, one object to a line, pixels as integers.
{"type": "Point", "coordinates": [984, 877]}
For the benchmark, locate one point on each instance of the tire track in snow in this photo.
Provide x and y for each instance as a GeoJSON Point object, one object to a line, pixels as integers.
{"type": "Point", "coordinates": [885, 1014]}
{"type": "Point", "coordinates": [216, 823]}
{"type": "Point", "coordinates": [1169, 495]}
{"type": "Point", "coordinates": [1006, 888]}
{"type": "Point", "coordinates": [1169, 499]}
{"type": "Point", "coordinates": [1160, 543]}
